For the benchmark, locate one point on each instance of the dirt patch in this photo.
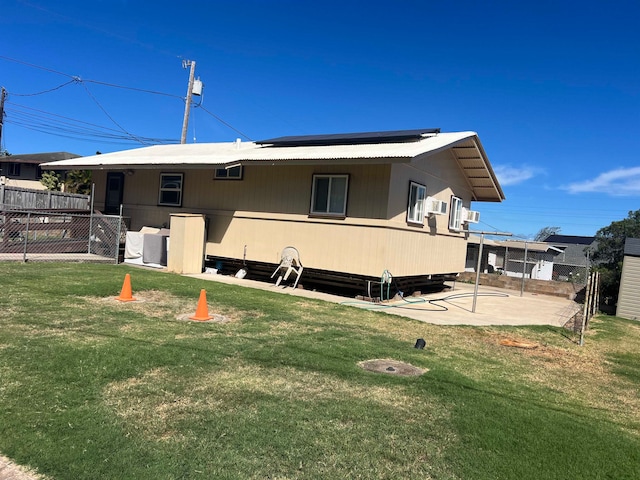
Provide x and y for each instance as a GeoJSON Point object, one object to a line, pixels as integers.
{"type": "Point", "coordinates": [392, 367]}
{"type": "Point", "coordinates": [215, 318]}
{"type": "Point", "coordinates": [163, 305]}
{"type": "Point", "coordinates": [507, 342]}
{"type": "Point", "coordinates": [11, 471]}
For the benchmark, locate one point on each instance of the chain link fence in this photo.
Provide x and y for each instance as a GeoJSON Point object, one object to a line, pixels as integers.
{"type": "Point", "coordinates": [534, 267]}
{"type": "Point", "coordinates": [47, 235]}
{"type": "Point", "coordinates": [539, 265]}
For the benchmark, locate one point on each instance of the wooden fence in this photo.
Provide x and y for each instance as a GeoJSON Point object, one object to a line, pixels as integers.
{"type": "Point", "coordinates": [26, 198]}
{"type": "Point", "coordinates": [591, 302]}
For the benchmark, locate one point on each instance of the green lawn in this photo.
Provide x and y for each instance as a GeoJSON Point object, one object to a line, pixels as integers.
{"type": "Point", "coordinates": [93, 388]}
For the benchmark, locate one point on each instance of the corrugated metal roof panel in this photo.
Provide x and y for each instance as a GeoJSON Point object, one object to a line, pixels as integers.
{"type": "Point", "coordinates": [201, 155]}
{"type": "Point", "coordinates": [227, 153]}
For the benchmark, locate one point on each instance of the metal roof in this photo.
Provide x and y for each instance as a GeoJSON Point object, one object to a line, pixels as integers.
{"type": "Point", "coordinates": [632, 247]}
{"type": "Point", "coordinates": [515, 244]}
{"type": "Point", "coordinates": [530, 246]}
{"type": "Point", "coordinates": [466, 147]}
{"type": "Point", "coordinates": [38, 158]}
{"type": "Point", "coordinates": [569, 239]}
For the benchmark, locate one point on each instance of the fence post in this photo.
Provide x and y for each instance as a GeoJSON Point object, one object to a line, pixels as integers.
{"type": "Point", "coordinates": [93, 186]}
{"type": "Point", "coordinates": [505, 267]}
{"type": "Point", "coordinates": [478, 268]}
{"type": "Point", "coordinates": [585, 311]}
{"type": "Point", "coordinates": [117, 242]}
{"type": "Point", "coordinates": [524, 267]}
{"type": "Point", "coordinates": [596, 293]}
{"type": "Point", "coordinates": [26, 239]}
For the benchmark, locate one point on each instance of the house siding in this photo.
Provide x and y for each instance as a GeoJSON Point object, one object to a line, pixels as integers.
{"type": "Point", "coordinates": [355, 247]}
{"type": "Point", "coordinates": [442, 178]}
{"type": "Point", "coordinates": [628, 299]}
{"type": "Point", "coordinates": [269, 209]}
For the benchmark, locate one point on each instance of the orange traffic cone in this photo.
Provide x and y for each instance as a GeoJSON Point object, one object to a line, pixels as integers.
{"type": "Point", "coordinates": [125, 293]}
{"type": "Point", "coordinates": [202, 312]}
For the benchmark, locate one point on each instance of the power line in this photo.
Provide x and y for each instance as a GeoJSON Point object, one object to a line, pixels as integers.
{"type": "Point", "coordinates": [225, 123]}
{"type": "Point", "coordinates": [9, 59]}
{"type": "Point", "coordinates": [83, 82]}
{"type": "Point", "coordinates": [44, 91]}
{"type": "Point", "coordinates": [110, 117]}
{"type": "Point", "coordinates": [76, 79]}
{"type": "Point", "coordinates": [133, 88]}
{"type": "Point", "coordinates": [54, 124]}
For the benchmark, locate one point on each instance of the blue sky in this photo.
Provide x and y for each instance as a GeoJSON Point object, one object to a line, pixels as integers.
{"type": "Point", "coordinates": [552, 88]}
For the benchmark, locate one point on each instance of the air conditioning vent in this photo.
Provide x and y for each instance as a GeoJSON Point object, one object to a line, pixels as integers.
{"type": "Point", "coordinates": [470, 216]}
{"type": "Point", "coordinates": [436, 207]}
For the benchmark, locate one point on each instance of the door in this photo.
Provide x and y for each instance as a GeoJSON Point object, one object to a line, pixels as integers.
{"type": "Point", "coordinates": [115, 189]}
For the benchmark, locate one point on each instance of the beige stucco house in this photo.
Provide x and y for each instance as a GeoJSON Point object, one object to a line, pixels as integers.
{"type": "Point", "coordinates": [354, 205]}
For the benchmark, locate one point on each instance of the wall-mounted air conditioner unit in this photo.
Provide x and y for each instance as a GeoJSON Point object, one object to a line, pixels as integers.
{"type": "Point", "coordinates": [436, 207]}
{"type": "Point", "coordinates": [470, 216]}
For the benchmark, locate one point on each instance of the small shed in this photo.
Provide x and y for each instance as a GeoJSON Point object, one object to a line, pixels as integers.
{"type": "Point", "coordinates": [628, 298]}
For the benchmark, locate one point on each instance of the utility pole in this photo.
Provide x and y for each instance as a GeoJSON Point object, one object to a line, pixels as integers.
{"type": "Point", "coordinates": [479, 266]}
{"type": "Point", "coordinates": [187, 107]}
{"type": "Point", "coordinates": [3, 94]}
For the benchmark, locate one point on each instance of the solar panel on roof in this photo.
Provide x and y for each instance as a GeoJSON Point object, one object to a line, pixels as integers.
{"type": "Point", "coordinates": [394, 136]}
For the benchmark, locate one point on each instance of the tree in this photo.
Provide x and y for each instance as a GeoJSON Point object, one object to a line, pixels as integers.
{"type": "Point", "coordinates": [78, 181]}
{"type": "Point", "coordinates": [545, 233]}
{"type": "Point", "coordinates": [51, 180]}
{"type": "Point", "coordinates": [609, 252]}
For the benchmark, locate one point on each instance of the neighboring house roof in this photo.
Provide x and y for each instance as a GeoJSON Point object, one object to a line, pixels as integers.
{"type": "Point", "coordinates": [530, 246]}
{"type": "Point", "coordinates": [632, 247]}
{"type": "Point", "coordinates": [487, 242]}
{"type": "Point", "coordinates": [573, 248]}
{"type": "Point", "coordinates": [569, 239]}
{"type": "Point", "coordinates": [465, 146]}
{"type": "Point", "coordinates": [38, 158]}
{"type": "Point", "coordinates": [515, 244]}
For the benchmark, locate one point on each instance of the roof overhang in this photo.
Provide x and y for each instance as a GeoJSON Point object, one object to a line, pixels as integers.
{"type": "Point", "coordinates": [473, 161]}
{"type": "Point", "coordinates": [465, 146]}
{"type": "Point", "coordinates": [530, 246]}
{"type": "Point", "coordinates": [515, 244]}
{"type": "Point", "coordinates": [38, 158]}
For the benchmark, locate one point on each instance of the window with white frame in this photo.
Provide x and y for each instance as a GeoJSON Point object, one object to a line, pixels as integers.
{"type": "Point", "coordinates": [415, 209]}
{"type": "Point", "coordinates": [170, 189]}
{"type": "Point", "coordinates": [455, 215]}
{"type": "Point", "coordinates": [233, 173]}
{"type": "Point", "coordinates": [329, 195]}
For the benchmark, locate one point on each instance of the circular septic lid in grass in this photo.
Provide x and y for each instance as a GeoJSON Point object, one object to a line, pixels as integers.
{"type": "Point", "coordinates": [392, 367]}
